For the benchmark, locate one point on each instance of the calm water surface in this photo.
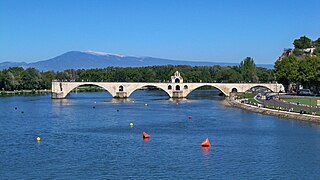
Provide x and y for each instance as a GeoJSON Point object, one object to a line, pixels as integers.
{"type": "Point", "coordinates": [82, 142]}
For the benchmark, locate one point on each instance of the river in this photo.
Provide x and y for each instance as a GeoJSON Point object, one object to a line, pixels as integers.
{"type": "Point", "coordinates": [87, 136]}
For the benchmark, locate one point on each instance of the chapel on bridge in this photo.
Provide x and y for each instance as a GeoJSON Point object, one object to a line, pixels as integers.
{"type": "Point", "coordinates": [176, 78]}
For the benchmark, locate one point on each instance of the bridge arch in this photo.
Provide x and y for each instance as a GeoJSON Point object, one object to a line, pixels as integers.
{"type": "Point", "coordinates": [150, 85]}
{"type": "Point", "coordinates": [197, 87]}
{"type": "Point", "coordinates": [67, 92]}
{"type": "Point", "coordinates": [260, 86]}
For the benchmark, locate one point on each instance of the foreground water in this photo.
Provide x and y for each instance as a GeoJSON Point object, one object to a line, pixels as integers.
{"type": "Point", "coordinates": [82, 142]}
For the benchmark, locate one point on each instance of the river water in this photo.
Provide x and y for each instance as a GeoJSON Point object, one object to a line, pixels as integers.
{"type": "Point", "coordinates": [87, 136]}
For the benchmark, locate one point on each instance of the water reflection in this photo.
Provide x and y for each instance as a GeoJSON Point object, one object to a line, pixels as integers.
{"type": "Point", "coordinates": [180, 100]}
{"type": "Point", "coordinates": [205, 151]}
{"type": "Point", "coordinates": [61, 102]}
{"type": "Point", "coordinates": [121, 100]}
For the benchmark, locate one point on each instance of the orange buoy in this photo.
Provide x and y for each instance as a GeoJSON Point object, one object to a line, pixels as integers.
{"type": "Point", "coordinates": [206, 143]}
{"type": "Point", "coordinates": [145, 135]}
{"type": "Point", "coordinates": [190, 117]}
{"type": "Point", "coordinates": [146, 104]}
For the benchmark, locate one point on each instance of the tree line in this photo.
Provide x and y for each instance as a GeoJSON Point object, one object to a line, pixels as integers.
{"type": "Point", "coordinates": [17, 78]}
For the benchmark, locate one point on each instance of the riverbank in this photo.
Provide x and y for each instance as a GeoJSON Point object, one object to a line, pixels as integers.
{"type": "Point", "coordinates": [24, 92]}
{"type": "Point", "coordinates": [273, 112]}
{"type": "Point", "coordinates": [45, 91]}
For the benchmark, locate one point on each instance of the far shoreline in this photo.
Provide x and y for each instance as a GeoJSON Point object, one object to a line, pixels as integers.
{"type": "Point", "coordinates": [24, 92]}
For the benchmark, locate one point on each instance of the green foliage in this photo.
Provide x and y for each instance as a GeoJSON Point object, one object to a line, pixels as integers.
{"type": "Point", "coordinates": [265, 75]}
{"type": "Point", "coordinates": [9, 81]}
{"type": "Point", "coordinates": [302, 43]}
{"type": "Point", "coordinates": [305, 100]}
{"type": "Point", "coordinates": [248, 70]}
{"type": "Point", "coordinates": [317, 51]}
{"type": "Point", "coordinates": [18, 78]}
{"type": "Point", "coordinates": [228, 75]}
{"type": "Point", "coordinates": [31, 79]}
{"type": "Point", "coordinates": [298, 52]}
{"type": "Point", "coordinates": [63, 76]}
{"type": "Point", "coordinates": [286, 70]}
{"type": "Point", "coordinates": [309, 71]}
{"type": "Point", "coordinates": [304, 71]}
{"type": "Point", "coordinates": [47, 78]}
{"type": "Point", "coordinates": [316, 43]}
{"type": "Point", "coordinates": [303, 67]}
{"type": "Point", "coordinates": [11, 78]}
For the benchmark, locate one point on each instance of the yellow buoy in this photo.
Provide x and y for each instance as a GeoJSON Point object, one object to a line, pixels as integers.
{"type": "Point", "coordinates": [131, 124]}
{"type": "Point", "coordinates": [38, 138]}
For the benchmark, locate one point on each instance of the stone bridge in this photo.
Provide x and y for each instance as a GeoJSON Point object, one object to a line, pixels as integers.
{"type": "Point", "coordinates": [175, 89]}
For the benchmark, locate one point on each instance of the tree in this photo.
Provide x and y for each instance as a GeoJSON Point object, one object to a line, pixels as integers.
{"type": "Point", "coordinates": [62, 76]}
{"type": "Point", "coordinates": [205, 74]}
{"type": "Point", "coordinates": [228, 75]}
{"type": "Point", "coordinates": [248, 70]}
{"type": "Point", "coordinates": [317, 51]}
{"type": "Point", "coordinates": [46, 79]}
{"type": "Point", "coordinates": [316, 43]}
{"type": "Point", "coordinates": [302, 43]}
{"type": "Point", "coordinates": [265, 75]}
{"type": "Point", "coordinates": [9, 82]}
{"type": "Point", "coordinates": [309, 72]}
{"type": "Point", "coordinates": [17, 75]}
{"type": "Point", "coordinates": [31, 78]}
{"type": "Point", "coordinates": [286, 70]}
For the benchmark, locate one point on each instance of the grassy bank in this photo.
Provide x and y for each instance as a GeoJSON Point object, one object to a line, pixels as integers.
{"type": "Point", "coordinates": [302, 100]}
{"type": "Point", "coordinates": [291, 104]}
{"type": "Point", "coordinates": [249, 96]}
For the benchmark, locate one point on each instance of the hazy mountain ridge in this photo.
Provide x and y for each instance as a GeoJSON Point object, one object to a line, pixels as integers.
{"type": "Point", "coordinates": [92, 59]}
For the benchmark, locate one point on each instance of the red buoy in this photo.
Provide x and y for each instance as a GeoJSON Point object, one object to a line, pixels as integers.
{"type": "Point", "coordinates": [145, 135]}
{"type": "Point", "coordinates": [206, 143]}
{"type": "Point", "coordinates": [190, 117]}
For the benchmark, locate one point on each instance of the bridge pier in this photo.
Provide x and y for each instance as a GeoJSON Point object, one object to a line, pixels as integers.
{"type": "Point", "coordinates": [55, 95]}
{"type": "Point", "coordinates": [177, 94]}
{"type": "Point", "coordinates": [121, 95]}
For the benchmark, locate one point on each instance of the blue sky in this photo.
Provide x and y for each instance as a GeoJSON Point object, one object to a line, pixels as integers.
{"type": "Point", "coordinates": [197, 30]}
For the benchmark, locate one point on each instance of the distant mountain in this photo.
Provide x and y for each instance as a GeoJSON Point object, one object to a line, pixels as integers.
{"type": "Point", "coordinates": [8, 64]}
{"type": "Point", "coordinates": [92, 59]}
